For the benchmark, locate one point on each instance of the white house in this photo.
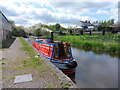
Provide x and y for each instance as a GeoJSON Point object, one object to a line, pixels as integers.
{"type": "Point", "coordinates": [77, 29]}
{"type": "Point", "coordinates": [97, 25]}
{"type": "Point", "coordinates": [84, 25]}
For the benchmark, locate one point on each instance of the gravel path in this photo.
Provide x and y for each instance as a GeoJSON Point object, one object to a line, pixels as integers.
{"type": "Point", "coordinates": [14, 60]}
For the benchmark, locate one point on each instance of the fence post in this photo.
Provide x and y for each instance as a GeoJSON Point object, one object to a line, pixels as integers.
{"type": "Point", "coordinates": [81, 32]}
{"type": "Point", "coordinates": [90, 33]}
{"type": "Point", "coordinates": [52, 36]}
{"type": "Point", "coordinates": [103, 32]}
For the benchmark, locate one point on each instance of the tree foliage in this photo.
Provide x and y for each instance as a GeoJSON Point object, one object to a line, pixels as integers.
{"type": "Point", "coordinates": [57, 26]}
{"type": "Point", "coordinates": [40, 32]}
{"type": "Point", "coordinates": [105, 23]}
{"type": "Point", "coordinates": [19, 31]}
{"type": "Point", "coordinates": [37, 32]}
{"type": "Point", "coordinates": [11, 22]}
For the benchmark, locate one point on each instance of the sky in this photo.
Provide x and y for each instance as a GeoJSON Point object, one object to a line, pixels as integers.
{"type": "Point", "coordinates": [65, 12]}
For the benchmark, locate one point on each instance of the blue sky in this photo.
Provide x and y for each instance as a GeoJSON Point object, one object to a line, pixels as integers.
{"type": "Point", "coordinates": [65, 12]}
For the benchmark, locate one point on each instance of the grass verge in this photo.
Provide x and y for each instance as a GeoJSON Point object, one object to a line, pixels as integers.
{"type": "Point", "coordinates": [50, 85]}
{"type": "Point", "coordinates": [65, 85]}
{"type": "Point", "coordinates": [30, 51]}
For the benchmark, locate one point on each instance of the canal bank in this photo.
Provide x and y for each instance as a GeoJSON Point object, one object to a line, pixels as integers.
{"type": "Point", "coordinates": [16, 62]}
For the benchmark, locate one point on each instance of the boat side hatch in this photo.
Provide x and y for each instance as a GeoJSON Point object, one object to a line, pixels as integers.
{"type": "Point", "coordinates": [60, 50]}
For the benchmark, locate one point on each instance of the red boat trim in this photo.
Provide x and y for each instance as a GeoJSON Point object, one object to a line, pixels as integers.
{"type": "Point", "coordinates": [68, 71]}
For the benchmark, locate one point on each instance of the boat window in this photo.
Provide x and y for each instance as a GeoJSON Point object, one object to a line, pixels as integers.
{"type": "Point", "coordinates": [69, 51]}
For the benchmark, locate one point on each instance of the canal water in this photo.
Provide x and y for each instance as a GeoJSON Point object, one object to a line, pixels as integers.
{"type": "Point", "coordinates": [95, 70]}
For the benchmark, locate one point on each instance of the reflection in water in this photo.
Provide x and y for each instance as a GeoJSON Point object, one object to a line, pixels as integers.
{"type": "Point", "coordinates": [95, 70]}
{"type": "Point", "coordinates": [72, 77]}
{"type": "Point", "coordinates": [113, 54]}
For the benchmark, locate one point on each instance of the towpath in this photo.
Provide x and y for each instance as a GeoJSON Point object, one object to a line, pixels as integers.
{"type": "Point", "coordinates": [16, 61]}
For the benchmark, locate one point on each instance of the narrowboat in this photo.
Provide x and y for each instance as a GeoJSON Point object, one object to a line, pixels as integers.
{"type": "Point", "coordinates": [57, 52]}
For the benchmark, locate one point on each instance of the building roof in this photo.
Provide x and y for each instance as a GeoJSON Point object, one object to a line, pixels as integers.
{"type": "Point", "coordinates": [4, 16]}
{"type": "Point", "coordinates": [85, 21]}
{"type": "Point", "coordinates": [115, 25]}
{"type": "Point", "coordinates": [78, 27]}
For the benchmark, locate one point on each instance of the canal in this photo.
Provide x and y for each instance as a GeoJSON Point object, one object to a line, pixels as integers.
{"type": "Point", "coordinates": [95, 70]}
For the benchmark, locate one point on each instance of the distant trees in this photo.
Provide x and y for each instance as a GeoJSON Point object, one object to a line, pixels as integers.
{"type": "Point", "coordinates": [19, 31]}
{"type": "Point", "coordinates": [14, 31]}
{"type": "Point", "coordinates": [37, 29]}
{"type": "Point", "coordinates": [51, 27]}
{"type": "Point", "coordinates": [105, 24]}
{"type": "Point", "coordinates": [40, 32]}
{"type": "Point", "coordinates": [57, 26]}
{"type": "Point", "coordinates": [11, 22]}
{"type": "Point", "coordinates": [37, 32]}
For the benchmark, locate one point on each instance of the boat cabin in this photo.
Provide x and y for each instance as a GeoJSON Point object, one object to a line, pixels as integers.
{"type": "Point", "coordinates": [62, 50]}
{"type": "Point", "coordinates": [54, 50]}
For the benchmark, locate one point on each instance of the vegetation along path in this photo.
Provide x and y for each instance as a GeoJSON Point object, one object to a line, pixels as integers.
{"type": "Point", "coordinates": [20, 59]}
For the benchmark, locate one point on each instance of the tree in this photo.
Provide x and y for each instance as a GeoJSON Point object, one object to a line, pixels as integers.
{"type": "Point", "coordinates": [22, 32]}
{"type": "Point", "coordinates": [19, 31]}
{"type": "Point", "coordinates": [11, 22]}
{"type": "Point", "coordinates": [112, 21]}
{"type": "Point", "coordinates": [37, 32]}
{"type": "Point", "coordinates": [15, 31]}
{"type": "Point", "coordinates": [62, 29]}
{"type": "Point", "coordinates": [105, 23]}
{"type": "Point", "coordinates": [57, 25]}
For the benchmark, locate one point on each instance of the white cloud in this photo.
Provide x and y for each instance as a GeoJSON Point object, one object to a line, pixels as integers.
{"type": "Point", "coordinates": [29, 12]}
{"type": "Point", "coordinates": [114, 14]}
{"type": "Point", "coordinates": [99, 11]}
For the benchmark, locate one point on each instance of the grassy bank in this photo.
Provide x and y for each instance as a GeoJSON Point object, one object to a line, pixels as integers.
{"type": "Point", "coordinates": [34, 61]}
{"type": "Point", "coordinates": [109, 42]}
